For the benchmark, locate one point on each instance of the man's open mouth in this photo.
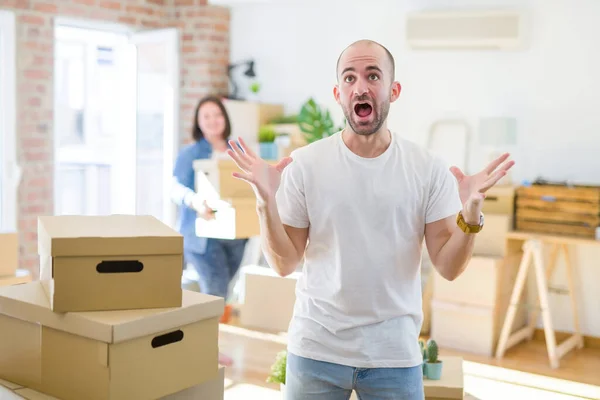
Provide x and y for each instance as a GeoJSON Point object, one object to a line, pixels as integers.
{"type": "Point", "coordinates": [363, 109]}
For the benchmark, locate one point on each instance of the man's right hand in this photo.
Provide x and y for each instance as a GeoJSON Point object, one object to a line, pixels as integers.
{"type": "Point", "coordinates": [263, 177]}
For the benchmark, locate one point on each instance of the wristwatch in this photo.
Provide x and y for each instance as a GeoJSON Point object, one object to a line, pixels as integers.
{"type": "Point", "coordinates": [468, 228]}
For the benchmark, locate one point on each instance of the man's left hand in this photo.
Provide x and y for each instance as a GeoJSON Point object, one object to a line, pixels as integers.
{"type": "Point", "coordinates": [472, 188]}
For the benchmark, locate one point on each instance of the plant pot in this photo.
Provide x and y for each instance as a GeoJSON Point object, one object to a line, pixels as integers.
{"type": "Point", "coordinates": [434, 370]}
{"type": "Point", "coordinates": [424, 368]}
{"type": "Point", "coordinates": [268, 151]}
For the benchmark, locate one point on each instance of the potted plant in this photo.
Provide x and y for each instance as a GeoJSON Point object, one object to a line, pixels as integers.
{"type": "Point", "coordinates": [254, 89]}
{"type": "Point", "coordinates": [433, 365]}
{"type": "Point", "coordinates": [266, 142]}
{"type": "Point", "coordinates": [424, 354]}
{"type": "Point", "coordinates": [278, 369]}
{"type": "Point", "coordinates": [315, 123]}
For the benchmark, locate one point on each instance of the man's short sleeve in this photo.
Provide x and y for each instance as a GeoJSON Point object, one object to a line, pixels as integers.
{"type": "Point", "coordinates": [291, 201]}
{"type": "Point", "coordinates": [444, 198]}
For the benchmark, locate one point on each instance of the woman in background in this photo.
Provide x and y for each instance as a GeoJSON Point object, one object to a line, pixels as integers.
{"type": "Point", "coordinates": [215, 260]}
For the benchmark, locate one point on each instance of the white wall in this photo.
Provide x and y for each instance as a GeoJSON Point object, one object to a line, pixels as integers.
{"type": "Point", "coordinates": [552, 87]}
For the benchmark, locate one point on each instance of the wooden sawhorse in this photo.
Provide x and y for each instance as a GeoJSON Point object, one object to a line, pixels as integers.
{"type": "Point", "coordinates": [532, 246]}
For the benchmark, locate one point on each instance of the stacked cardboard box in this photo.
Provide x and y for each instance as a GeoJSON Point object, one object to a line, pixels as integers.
{"type": "Point", "coordinates": [9, 260]}
{"type": "Point", "coordinates": [108, 319]}
{"type": "Point", "coordinates": [261, 286]}
{"type": "Point", "coordinates": [234, 200]}
{"type": "Point", "coordinates": [213, 389]}
{"type": "Point", "coordinates": [468, 313]}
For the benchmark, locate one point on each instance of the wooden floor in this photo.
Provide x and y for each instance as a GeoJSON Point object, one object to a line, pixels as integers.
{"type": "Point", "coordinates": [254, 351]}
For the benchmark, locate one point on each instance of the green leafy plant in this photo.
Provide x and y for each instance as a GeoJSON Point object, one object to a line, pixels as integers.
{"type": "Point", "coordinates": [255, 87]}
{"type": "Point", "coordinates": [423, 349]}
{"type": "Point", "coordinates": [432, 352]}
{"type": "Point", "coordinates": [266, 134]}
{"type": "Point", "coordinates": [315, 122]}
{"type": "Point", "coordinates": [285, 119]}
{"type": "Point", "coordinates": [278, 368]}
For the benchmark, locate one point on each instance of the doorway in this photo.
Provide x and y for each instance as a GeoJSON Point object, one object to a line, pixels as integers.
{"type": "Point", "coordinates": [116, 119]}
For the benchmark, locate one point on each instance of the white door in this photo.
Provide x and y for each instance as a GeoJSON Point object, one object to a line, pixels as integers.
{"type": "Point", "coordinates": [157, 120]}
{"type": "Point", "coordinates": [89, 96]}
{"type": "Point", "coordinates": [116, 121]}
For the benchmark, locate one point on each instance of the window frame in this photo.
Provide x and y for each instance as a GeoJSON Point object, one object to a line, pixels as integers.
{"type": "Point", "coordinates": [10, 175]}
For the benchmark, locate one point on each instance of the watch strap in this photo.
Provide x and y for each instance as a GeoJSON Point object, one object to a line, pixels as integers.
{"type": "Point", "coordinates": [468, 228]}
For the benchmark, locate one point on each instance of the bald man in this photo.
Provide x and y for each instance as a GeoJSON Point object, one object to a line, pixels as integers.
{"type": "Point", "coordinates": [358, 206]}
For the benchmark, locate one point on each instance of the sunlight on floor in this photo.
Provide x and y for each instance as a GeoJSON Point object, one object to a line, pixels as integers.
{"type": "Point", "coordinates": [280, 338]}
{"type": "Point", "coordinates": [487, 389]}
{"type": "Point", "coordinates": [493, 376]}
{"type": "Point", "coordinates": [245, 391]}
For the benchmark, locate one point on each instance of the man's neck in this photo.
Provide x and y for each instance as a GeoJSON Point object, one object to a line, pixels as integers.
{"type": "Point", "coordinates": [367, 146]}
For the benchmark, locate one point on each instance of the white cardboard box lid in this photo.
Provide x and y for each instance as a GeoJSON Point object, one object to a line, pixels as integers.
{"type": "Point", "coordinates": [30, 302]}
{"type": "Point", "coordinates": [94, 235]}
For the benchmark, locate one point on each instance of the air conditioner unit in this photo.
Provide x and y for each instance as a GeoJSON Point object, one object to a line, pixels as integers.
{"type": "Point", "coordinates": [495, 30]}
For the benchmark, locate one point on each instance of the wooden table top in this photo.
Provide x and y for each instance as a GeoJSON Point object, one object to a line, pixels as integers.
{"type": "Point", "coordinates": [519, 235]}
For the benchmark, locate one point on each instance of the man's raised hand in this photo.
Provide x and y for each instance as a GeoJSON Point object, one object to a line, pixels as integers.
{"type": "Point", "coordinates": [262, 176]}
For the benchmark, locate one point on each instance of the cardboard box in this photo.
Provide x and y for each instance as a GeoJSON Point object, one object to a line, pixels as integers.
{"type": "Point", "coordinates": [479, 284]}
{"type": "Point", "coordinates": [214, 180]}
{"type": "Point", "coordinates": [463, 327]}
{"type": "Point", "coordinates": [20, 276]}
{"type": "Point", "coordinates": [116, 262]}
{"type": "Point", "coordinates": [9, 253]}
{"type": "Point", "coordinates": [236, 219]}
{"type": "Point", "coordinates": [451, 385]}
{"type": "Point", "coordinates": [248, 116]}
{"type": "Point", "coordinates": [210, 390]}
{"type": "Point", "coordinates": [491, 241]}
{"type": "Point", "coordinates": [471, 328]}
{"type": "Point", "coordinates": [261, 286]}
{"type": "Point", "coordinates": [500, 200]}
{"type": "Point", "coordinates": [130, 354]}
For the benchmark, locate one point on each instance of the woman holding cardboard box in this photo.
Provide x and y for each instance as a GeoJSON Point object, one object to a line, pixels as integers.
{"type": "Point", "coordinates": [215, 260]}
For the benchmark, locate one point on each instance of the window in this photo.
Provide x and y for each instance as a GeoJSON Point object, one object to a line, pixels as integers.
{"type": "Point", "coordinates": [9, 171]}
{"type": "Point", "coordinates": [116, 119]}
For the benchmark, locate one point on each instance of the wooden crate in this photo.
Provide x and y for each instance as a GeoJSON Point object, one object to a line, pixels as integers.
{"type": "Point", "coordinates": [558, 210]}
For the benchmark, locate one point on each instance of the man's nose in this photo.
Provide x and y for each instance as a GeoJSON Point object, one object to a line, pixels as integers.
{"type": "Point", "coordinates": [360, 88]}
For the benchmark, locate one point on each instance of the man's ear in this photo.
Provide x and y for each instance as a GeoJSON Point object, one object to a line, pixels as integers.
{"type": "Point", "coordinates": [395, 92]}
{"type": "Point", "coordinates": [336, 93]}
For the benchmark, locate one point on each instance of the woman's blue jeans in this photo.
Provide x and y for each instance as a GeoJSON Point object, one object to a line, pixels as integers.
{"type": "Point", "coordinates": [217, 266]}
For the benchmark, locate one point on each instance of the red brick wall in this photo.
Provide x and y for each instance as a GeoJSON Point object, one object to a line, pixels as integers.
{"type": "Point", "coordinates": [205, 55]}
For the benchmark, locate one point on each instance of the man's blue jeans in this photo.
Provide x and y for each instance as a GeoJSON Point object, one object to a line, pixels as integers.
{"type": "Point", "coordinates": [310, 379]}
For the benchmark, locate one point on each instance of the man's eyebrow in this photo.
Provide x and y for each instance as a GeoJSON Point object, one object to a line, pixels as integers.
{"type": "Point", "coordinates": [374, 68]}
{"type": "Point", "coordinates": [369, 68]}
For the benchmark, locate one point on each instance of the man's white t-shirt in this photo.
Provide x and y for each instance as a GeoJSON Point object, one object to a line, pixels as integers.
{"type": "Point", "coordinates": [358, 299]}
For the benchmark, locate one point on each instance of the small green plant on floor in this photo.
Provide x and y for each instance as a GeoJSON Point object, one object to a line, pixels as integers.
{"type": "Point", "coordinates": [432, 352]}
{"type": "Point", "coordinates": [433, 366]}
{"type": "Point", "coordinates": [423, 354]}
{"type": "Point", "coordinates": [278, 368]}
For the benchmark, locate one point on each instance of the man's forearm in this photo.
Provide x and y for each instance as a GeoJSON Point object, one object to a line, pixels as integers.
{"type": "Point", "coordinates": [277, 246]}
{"type": "Point", "coordinates": [454, 256]}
